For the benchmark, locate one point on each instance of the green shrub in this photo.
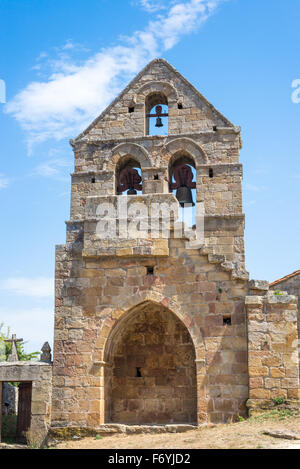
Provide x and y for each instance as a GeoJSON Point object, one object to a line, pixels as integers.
{"type": "Point", "coordinates": [278, 292]}
{"type": "Point", "coordinates": [279, 400]}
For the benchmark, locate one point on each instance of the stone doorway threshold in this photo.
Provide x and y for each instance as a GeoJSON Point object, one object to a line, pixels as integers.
{"type": "Point", "coordinates": [111, 428]}
{"type": "Point", "coordinates": [108, 429]}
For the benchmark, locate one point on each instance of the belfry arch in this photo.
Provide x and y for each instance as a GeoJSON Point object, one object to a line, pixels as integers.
{"type": "Point", "coordinates": [150, 369]}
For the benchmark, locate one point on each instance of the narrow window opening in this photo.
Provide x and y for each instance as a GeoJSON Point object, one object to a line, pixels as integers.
{"type": "Point", "coordinates": [150, 270]}
{"type": "Point", "coordinates": [180, 106]}
{"type": "Point", "coordinates": [93, 180]}
{"type": "Point", "coordinates": [211, 173]}
{"type": "Point", "coordinates": [156, 177]}
{"type": "Point", "coordinates": [227, 320]}
{"type": "Point", "coordinates": [156, 107]}
{"type": "Point", "coordinates": [131, 109]}
{"type": "Point", "coordinates": [215, 129]}
{"type": "Point", "coordinates": [138, 373]}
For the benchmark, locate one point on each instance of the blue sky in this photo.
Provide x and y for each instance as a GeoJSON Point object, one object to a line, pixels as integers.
{"type": "Point", "coordinates": [63, 61]}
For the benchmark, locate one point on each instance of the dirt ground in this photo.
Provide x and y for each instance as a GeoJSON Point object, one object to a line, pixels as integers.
{"type": "Point", "coordinates": [246, 434]}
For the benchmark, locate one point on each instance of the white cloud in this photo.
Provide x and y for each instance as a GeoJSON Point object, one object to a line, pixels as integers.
{"type": "Point", "coordinates": [151, 6]}
{"type": "Point", "coordinates": [39, 287]}
{"type": "Point", "coordinates": [4, 181]}
{"type": "Point", "coordinates": [73, 95]}
{"type": "Point", "coordinates": [55, 168]}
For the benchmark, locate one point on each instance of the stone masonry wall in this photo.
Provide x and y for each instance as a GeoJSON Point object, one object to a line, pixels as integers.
{"type": "Point", "coordinates": [272, 349]}
{"type": "Point", "coordinates": [196, 115]}
{"type": "Point", "coordinates": [93, 294]}
{"type": "Point", "coordinates": [291, 285]}
{"type": "Point", "coordinates": [100, 284]}
{"type": "Point", "coordinates": [40, 374]}
{"type": "Point", "coordinates": [197, 130]}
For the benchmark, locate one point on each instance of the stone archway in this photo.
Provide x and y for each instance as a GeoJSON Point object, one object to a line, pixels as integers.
{"type": "Point", "coordinates": [150, 372]}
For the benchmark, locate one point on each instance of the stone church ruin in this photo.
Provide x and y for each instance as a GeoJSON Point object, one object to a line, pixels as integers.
{"type": "Point", "coordinates": [161, 330]}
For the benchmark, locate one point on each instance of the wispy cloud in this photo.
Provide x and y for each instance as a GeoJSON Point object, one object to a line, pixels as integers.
{"type": "Point", "coordinates": [249, 203]}
{"type": "Point", "coordinates": [151, 5]}
{"type": "Point", "coordinates": [254, 188]}
{"type": "Point", "coordinates": [73, 94]}
{"type": "Point", "coordinates": [4, 181]}
{"type": "Point", "coordinates": [56, 168]}
{"type": "Point", "coordinates": [39, 287]}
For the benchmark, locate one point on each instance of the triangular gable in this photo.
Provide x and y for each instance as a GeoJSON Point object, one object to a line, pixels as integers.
{"type": "Point", "coordinates": [145, 71]}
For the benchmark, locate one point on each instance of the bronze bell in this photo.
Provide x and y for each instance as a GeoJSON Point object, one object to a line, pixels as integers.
{"type": "Point", "coordinates": [131, 192]}
{"type": "Point", "coordinates": [184, 196]}
{"type": "Point", "coordinates": [159, 122]}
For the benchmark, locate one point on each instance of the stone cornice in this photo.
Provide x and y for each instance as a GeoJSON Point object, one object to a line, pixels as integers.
{"type": "Point", "coordinates": [98, 141]}
{"type": "Point", "coordinates": [221, 166]}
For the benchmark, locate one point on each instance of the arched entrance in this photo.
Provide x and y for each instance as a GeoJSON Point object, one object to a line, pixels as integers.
{"type": "Point", "coordinates": [150, 377]}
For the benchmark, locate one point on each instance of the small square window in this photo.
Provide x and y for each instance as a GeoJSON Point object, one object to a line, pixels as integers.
{"type": "Point", "coordinates": [227, 320]}
{"type": "Point", "coordinates": [93, 180]}
{"type": "Point", "coordinates": [131, 109]}
{"type": "Point", "coordinates": [180, 106]}
{"type": "Point", "coordinates": [150, 270]}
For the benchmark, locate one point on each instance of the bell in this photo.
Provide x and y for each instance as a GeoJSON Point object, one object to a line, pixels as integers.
{"type": "Point", "coordinates": [131, 192]}
{"type": "Point", "coordinates": [184, 196]}
{"type": "Point", "coordinates": [159, 122]}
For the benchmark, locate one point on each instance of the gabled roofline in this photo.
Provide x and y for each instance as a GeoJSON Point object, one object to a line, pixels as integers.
{"type": "Point", "coordinates": [297, 272]}
{"type": "Point", "coordinates": [135, 79]}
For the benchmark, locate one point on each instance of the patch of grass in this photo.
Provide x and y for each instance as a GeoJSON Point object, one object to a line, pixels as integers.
{"type": "Point", "coordinates": [276, 414]}
{"type": "Point", "coordinates": [240, 418]}
{"type": "Point", "coordinates": [35, 439]}
{"type": "Point", "coordinates": [9, 428]}
{"type": "Point", "coordinates": [98, 437]}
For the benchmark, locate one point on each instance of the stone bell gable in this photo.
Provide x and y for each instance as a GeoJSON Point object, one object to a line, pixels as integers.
{"type": "Point", "coordinates": [195, 129]}
{"type": "Point", "coordinates": [189, 110]}
{"type": "Point", "coordinates": [155, 330]}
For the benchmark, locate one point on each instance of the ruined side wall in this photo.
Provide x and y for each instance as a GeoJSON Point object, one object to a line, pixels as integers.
{"type": "Point", "coordinates": [272, 350]}
{"type": "Point", "coordinates": [291, 285]}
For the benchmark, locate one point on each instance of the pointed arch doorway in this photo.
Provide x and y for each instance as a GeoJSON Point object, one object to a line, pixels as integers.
{"type": "Point", "coordinates": [150, 377]}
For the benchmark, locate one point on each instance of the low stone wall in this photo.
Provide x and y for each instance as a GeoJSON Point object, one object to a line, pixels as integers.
{"type": "Point", "coordinates": [272, 351]}
{"type": "Point", "coordinates": [40, 374]}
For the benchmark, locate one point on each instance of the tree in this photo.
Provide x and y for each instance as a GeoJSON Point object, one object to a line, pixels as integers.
{"type": "Point", "coordinates": [5, 347]}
